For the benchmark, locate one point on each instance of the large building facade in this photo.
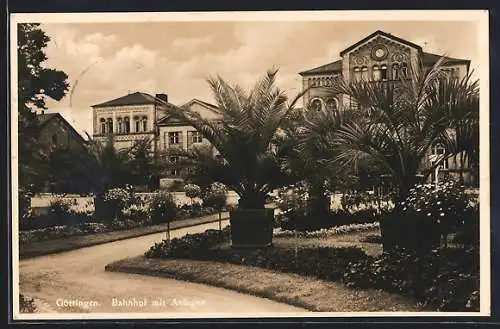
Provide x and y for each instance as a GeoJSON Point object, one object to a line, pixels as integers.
{"type": "Point", "coordinates": [378, 57]}
{"type": "Point", "coordinates": [382, 57]}
{"type": "Point", "coordinates": [138, 116]}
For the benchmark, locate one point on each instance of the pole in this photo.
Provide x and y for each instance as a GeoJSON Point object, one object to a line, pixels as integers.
{"type": "Point", "coordinates": [437, 176]}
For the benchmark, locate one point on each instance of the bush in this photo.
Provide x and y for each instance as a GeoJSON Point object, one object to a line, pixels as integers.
{"type": "Point", "coordinates": [26, 305]}
{"type": "Point", "coordinates": [192, 191]}
{"type": "Point", "coordinates": [215, 196]}
{"type": "Point", "coordinates": [188, 245]}
{"type": "Point", "coordinates": [322, 262]}
{"type": "Point", "coordinates": [426, 215]}
{"type": "Point", "coordinates": [445, 279]}
{"type": "Point", "coordinates": [163, 208]}
{"type": "Point", "coordinates": [116, 200]}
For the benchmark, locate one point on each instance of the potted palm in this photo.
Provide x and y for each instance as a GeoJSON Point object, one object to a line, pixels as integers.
{"type": "Point", "coordinates": [242, 155]}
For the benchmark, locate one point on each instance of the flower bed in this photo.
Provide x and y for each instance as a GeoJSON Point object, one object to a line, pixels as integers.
{"type": "Point", "coordinates": [57, 232]}
{"type": "Point", "coordinates": [324, 233]}
{"type": "Point", "coordinates": [446, 280]}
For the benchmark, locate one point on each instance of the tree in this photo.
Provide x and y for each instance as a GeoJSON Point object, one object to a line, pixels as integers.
{"type": "Point", "coordinates": [216, 196]}
{"type": "Point", "coordinates": [402, 121]}
{"type": "Point", "coordinates": [35, 83]}
{"type": "Point", "coordinates": [192, 191]}
{"type": "Point", "coordinates": [108, 167]}
{"type": "Point", "coordinates": [141, 163]}
{"type": "Point", "coordinates": [243, 139]}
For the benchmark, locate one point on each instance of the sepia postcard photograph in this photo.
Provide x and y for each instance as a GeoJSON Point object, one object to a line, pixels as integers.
{"type": "Point", "coordinates": [290, 164]}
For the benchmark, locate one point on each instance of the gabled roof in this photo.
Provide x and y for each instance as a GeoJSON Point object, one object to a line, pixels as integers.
{"type": "Point", "coordinates": [137, 98]}
{"type": "Point", "coordinates": [384, 34]}
{"type": "Point", "coordinates": [171, 120]}
{"type": "Point", "coordinates": [202, 103]}
{"type": "Point", "coordinates": [429, 59]}
{"type": "Point", "coordinates": [45, 118]}
{"type": "Point", "coordinates": [333, 67]}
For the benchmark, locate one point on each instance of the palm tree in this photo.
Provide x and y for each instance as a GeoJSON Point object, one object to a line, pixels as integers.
{"type": "Point", "coordinates": [246, 160]}
{"type": "Point", "coordinates": [108, 167]}
{"type": "Point", "coordinates": [402, 120]}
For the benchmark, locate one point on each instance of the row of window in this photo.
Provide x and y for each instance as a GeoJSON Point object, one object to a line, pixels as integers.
{"type": "Point", "coordinates": [321, 82]}
{"type": "Point", "coordinates": [175, 137]}
{"type": "Point", "coordinates": [316, 104]}
{"type": "Point", "coordinates": [123, 125]}
{"type": "Point", "coordinates": [381, 72]}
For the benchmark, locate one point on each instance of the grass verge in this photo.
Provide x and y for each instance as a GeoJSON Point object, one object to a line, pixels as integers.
{"type": "Point", "coordinates": [306, 292]}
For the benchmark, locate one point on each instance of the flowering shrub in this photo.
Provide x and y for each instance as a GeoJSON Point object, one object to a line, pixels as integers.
{"type": "Point", "coordinates": [59, 208]}
{"type": "Point", "coordinates": [192, 191]}
{"type": "Point", "coordinates": [445, 279]}
{"type": "Point", "coordinates": [324, 233]}
{"type": "Point", "coordinates": [326, 263]}
{"type": "Point", "coordinates": [188, 245]}
{"type": "Point", "coordinates": [137, 211]}
{"type": "Point", "coordinates": [56, 232]}
{"type": "Point", "coordinates": [24, 199]}
{"type": "Point", "coordinates": [163, 208]}
{"type": "Point", "coordinates": [362, 200]}
{"type": "Point", "coordinates": [116, 199]}
{"type": "Point", "coordinates": [427, 214]}
{"type": "Point", "coordinates": [215, 196]}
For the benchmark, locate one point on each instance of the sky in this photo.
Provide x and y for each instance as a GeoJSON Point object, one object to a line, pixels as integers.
{"type": "Point", "coordinates": [108, 60]}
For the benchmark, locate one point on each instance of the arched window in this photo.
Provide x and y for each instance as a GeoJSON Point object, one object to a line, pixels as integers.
{"type": "Point", "coordinates": [144, 123]}
{"type": "Point", "coordinates": [137, 124]}
{"type": "Point", "coordinates": [120, 125]}
{"type": "Point", "coordinates": [383, 72]}
{"type": "Point", "coordinates": [331, 104]}
{"type": "Point", "coordinates": [404, 70]}
{"type": "Point", "coordinates": [357, 74]}
{"type": "Point", "coordinates": [109, 125]}
{"type": "Point", "coordinates": [103, 125]}
{"type": "Point", "coordinates": [126, 124]}
{"type": "Point", "coordinates": [364, 73]}
{"type": "Point", "coordinates": [376, 73]}
{"type": "Point", "coordinates": [316, 105]}
{"type": "Point", "coordinates": [395, 71]}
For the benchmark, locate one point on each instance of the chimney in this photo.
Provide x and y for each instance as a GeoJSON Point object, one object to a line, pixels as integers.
{"type": "Point", "coordinates": [163, 97]}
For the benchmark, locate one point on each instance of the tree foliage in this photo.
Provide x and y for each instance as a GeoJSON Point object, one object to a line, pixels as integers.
{"type": "Point", "coordinates": [245, 159]}
{"type": "Point", "coordinates": [35, 83]}
{"type": "Point", "coordinates": [401, 121]}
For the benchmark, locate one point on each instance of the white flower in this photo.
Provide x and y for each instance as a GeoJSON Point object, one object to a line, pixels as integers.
{"type": "Point", "coordinates": [441, 214]}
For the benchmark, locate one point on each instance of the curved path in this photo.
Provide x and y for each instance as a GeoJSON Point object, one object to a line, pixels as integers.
{"type": "Point", "coordinates": [61, 281]}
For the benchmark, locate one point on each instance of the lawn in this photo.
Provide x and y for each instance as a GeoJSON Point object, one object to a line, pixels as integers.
{"type": "Point", "coordinates": [304, 291]}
